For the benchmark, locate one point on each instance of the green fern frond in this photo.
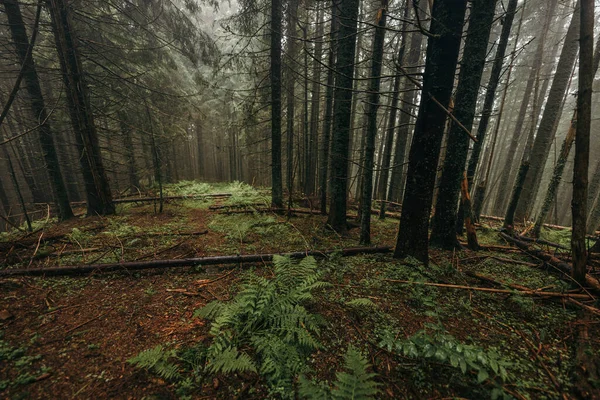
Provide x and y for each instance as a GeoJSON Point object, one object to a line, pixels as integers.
{"type": "Point", "coordinates": [231, 360]}
{"type": "Point", "coordinates": [312, 390]}
{"type": "Point", "coordinates": [157, 361]}
{"type": "Point", "coordinates": [362, 303]}
{"type": "Point", "coordinates": [357, 383]}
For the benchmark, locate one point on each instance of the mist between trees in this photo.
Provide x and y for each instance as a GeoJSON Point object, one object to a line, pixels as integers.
{"type": "Point", "coordinates": [340, 102]}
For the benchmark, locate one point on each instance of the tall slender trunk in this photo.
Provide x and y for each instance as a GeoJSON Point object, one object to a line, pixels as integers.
{"type": "Point", "coordinates": [518, 134]}
{"type": "Point", "coordinates": [327, 120]}
{"type": "Point", "coordinates": [443, 233]}
{"type": "Point", "coordinates": [396, 189]}
{"type": "Point", "coordinates": [582, 140]}
{"type": "Point", "coordinates": [315, 107]}
{"type": "Point", "coordinates": [275, 75]}
{"type": "Point", "coordinates": [373, 89]}
{"type": "Point", "coordinates": [15, 182]}
{"type": "Point", "coordinates": [290, 92]}
{"type": "Point", "coordinates": [382, 188]}
{"type": "Point", "coordinates": [442, 55]}
{"type": "Point", "coordinates": [545, 133]}
{"type": "Point", "coordinates": [37, 104]}
{"type": "Point", "coordinates": [488, 105]}
{"type": "Point", "coordinates": [99, 198]}
{"type": "Point", "coordinates": [561, 162]}
{"type": "Point", "coordinates": [348, 13]}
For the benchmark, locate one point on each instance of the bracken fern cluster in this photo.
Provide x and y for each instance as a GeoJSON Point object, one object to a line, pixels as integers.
{"type": "Point", "coordinates": [266, 328]}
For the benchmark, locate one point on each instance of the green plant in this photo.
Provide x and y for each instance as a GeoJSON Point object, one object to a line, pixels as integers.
{"type": "Point", "coordinates": [266, 328]}
{"type": "Point", "coordinates": [435, 344]}
{"type": "Point", "coordinates": [159, 361]}
{"type": "Point", "coordinates": [357, 383]}
{"type": "Point", "coordinates": [80, 238]}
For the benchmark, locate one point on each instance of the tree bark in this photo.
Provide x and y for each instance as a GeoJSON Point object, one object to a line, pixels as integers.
{"type": "Point", "coordinates": [99, 198]}
{"type": "Point", "coordinates": [348, 12]}
{"type": "Point", "coordinates": [373, 106]}
{"type": "Point", "coordinates": [582, 140]}
{"type": "Point", "coordinates": [488, 106]}
{"type": "Point", "coordinates": [517, 136]}
{"type": "Point", "coordinates": [443, 233]}
{"type": "Point", "coordinates": [38, 107]}
{"type": "Point", "coordinates": [440, 67]}
{"type": "Point", "coordinates": [275, 76]}
{"type": "Point", "coordinates": [327, 120]}
{"type": "Point", "coordinates": [545, 133]}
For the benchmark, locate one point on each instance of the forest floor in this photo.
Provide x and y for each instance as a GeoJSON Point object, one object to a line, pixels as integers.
{"type": "Point", "coordinates": [72, 337]}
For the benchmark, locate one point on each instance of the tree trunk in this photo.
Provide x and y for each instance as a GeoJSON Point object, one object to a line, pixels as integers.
{"type": "Point", "coordinates": [348, 13]}
{"type": "Point", "coordinates": [488, 106]}
{"type": "Point", "coordinates": [38, 107]}
{"type": "Point", "coordinates": [517, 136]}
{"type": "Point", "coordinates": [276, 180]}
{"type": "Point", "coordinates": [440, 67]}
{"type": "Point", "coordinates": [99, 198]}
{"type": "Point", "coordinates": [396, 189]}
{"type": "Point", "coordinates": [443, 233]}
{"type": "Point", "coordinates": [290, 81]}
{"type": "Point", "coordinates": [545, 133]}
{"type": "Point", "coordinates": [582, 140]}
{"type": "Point", "coordinates": [327, 120]}
{"type": "Point", "coordinates": [373, 106]}
{"type": "Point", "coordinates": [382, 190]}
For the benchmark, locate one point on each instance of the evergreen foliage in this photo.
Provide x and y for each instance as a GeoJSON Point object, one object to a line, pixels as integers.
{"type": "Point", "coordinates": [266, 328]}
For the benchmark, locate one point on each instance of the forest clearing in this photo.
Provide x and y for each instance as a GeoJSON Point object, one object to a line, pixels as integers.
{"type": "Point", "coordinates": [299, 199]}
{"type": "Point", "coordinates": [75, 336]}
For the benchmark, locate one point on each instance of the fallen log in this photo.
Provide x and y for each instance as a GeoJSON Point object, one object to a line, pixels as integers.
{"type": "Point", "coordinates": [491, 290]}
{"type": "Point", "coordinates": [185, 262]}
{"type": "Point", "coordinates": [550, 259]}
{"type": "Point", "coordinates": [541, 241]}
{"type": "Point", "coordinates": [148, 199]}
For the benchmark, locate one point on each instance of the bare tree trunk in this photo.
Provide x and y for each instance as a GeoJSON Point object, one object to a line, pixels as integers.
{"type": "Point", "coordinates": [276, 180]}
{"type": "Point", "coordinates": [374, 85]}
{"type": "Point", "coordinates": [348, 12]}
{"type": "Point", "coordinates": [38, 107]}
{"type": "Point", "coordinates": [99, 198]}
{"type": "Point", "coordinates": [582, 140]}
{"type": "Point", "coordinates": [545, 133]}
{"type": "Point", "coordinates": [442, 56]}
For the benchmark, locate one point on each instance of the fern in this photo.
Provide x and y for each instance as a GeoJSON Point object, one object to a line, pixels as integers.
{"type": "Point", "coordinates": [157, 361]}
{"type": "Point", "coordinates": [362, 304]}
{"type": "Point", "coordinates": [442, 347]}
{"type": "Point", "coordinates": [354, 384]}
{"type": "Point", "coordinates": [266, 327]}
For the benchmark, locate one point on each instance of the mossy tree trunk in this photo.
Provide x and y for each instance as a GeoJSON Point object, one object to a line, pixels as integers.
{"type": "Point", "coordinates": [348, 13]}
{"type": "Point", "coordinates": [438, 81]}
{"type": "Point", "coordinates": [443, 233]}
{"type": "Point", "coordinates": [373, 106]}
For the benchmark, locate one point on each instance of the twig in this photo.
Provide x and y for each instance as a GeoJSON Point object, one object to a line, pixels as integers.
{"type": "Point", "coordinates": [480, 289]}
{"type": "Point", "coordinates": [87, 322]}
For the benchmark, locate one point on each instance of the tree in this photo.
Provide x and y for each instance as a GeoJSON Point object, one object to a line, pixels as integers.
{"type": "Point", "coordinates": [275, 51]}
{"type": "Point", "coordinates": [488, 105]}
{"type": "Point", "coordinates": [519, 130]}
{"type": "Point", "coordinates": [37, 104]}
{"type": "Point", "coordinates": [99, 198]}
{"type": "Point", "coordinates": [547, 128]}
{"type": "Point", "coordinates": [443, 233]}
{"type": "Point", "coordinates": [328, 117]}
{"type": "Point", "coordinates": [374, 84]}
{"type": "Point", "coordinates": [582, 140]}
{"type": "Point", "coordinates": [344, 75]}
{"type": "Point", "coordinates": [442, 55]}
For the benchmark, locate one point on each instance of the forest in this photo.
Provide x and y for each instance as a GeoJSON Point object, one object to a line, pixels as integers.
{"type": "Point", "coordinates": [299, 199]}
